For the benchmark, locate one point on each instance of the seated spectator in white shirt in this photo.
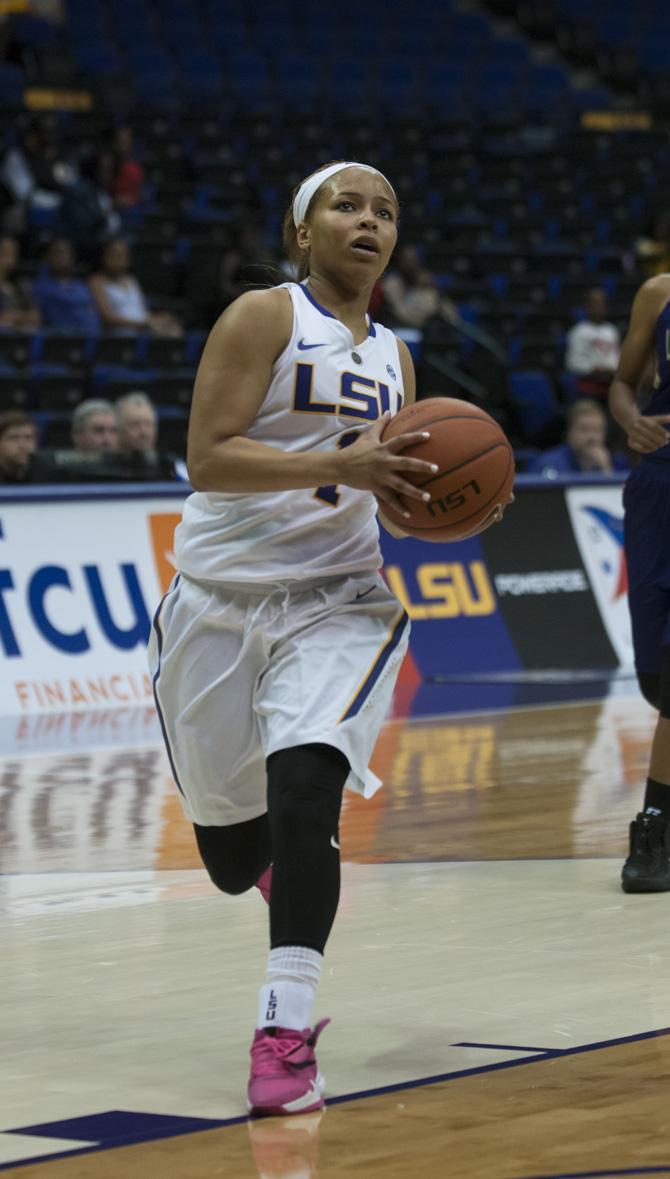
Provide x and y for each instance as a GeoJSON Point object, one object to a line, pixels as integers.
{"type": "Point", "coordinates": [592, 348]}
{"type": "Point", "coordinates": [119, 297]}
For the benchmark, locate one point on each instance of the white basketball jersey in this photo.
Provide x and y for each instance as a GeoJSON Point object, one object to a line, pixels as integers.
{"type": "Point", "coordinates": [323, 389]}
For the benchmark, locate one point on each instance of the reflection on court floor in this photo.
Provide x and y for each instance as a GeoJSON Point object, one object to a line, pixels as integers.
{"type": "Point", "coordinates": [492, 990]}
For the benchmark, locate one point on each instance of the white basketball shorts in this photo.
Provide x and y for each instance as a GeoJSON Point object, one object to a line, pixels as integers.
{"type": "Point", "coordinates": [239, 675]}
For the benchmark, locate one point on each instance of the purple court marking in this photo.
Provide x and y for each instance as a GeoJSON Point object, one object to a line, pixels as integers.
{"type": "Point", "coordinates": [102, 1128]}
{"type": "Point", "coordinates": [602, 1174]}
{"type": "Point", "coordinates": [134, 1136]}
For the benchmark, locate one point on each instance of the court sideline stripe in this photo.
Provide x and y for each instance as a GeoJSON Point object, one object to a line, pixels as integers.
{"type": "Point", "coordinates": [399, 1086]}
{"type": "Point", "coordinates": [665, 1170]}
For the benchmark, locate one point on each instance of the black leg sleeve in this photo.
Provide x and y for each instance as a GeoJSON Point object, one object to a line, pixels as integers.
{"type": "Point", "coordinates": [304, 799]}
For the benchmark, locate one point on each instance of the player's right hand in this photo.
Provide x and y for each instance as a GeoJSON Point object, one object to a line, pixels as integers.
{"type": "Point", "coordinates": [372, 465]}
{"type": "Point", "coordinates": [647, 433]}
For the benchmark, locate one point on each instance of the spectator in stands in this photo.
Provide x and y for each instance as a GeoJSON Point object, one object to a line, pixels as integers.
{"type": "Point", "coordinates": [411, 293]}
{"type": "Point", "coordinates": [87, 215]}
{"type": "Point", "coordinates": [138, 439]}
{"type": "Point", "coordinates": [17, 309]}
{"type": "Point", "coordinates": [592, 348]}
{"type": "Point", "coordinates": [585, 448]}
{"type": "Point", "coordinates": [128, 179]}
{"type": "Point", "coordinates": [94, 426]}
{"type": "Point", "coordinates": [18, 444]}
{"type": "Point", "coordinates": [34, 173]}
{"type": "Point", "coordinates": [64, 301]}
{"type": "Point", "coordinates": [245, 266]}
{"type": "Point", "coordinates": [119, 297]}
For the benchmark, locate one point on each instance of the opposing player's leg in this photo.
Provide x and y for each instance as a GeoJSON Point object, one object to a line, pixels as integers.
{"type": "Point", "coordinates": [647, 868]}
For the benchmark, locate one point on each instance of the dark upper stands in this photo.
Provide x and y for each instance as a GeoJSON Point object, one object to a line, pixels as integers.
{"type": "Point", "coordinates": [516, 208]}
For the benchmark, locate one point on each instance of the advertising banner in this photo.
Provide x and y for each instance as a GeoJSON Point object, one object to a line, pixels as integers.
{"type": "Point", "coordinates": [79, 584]}
{"type": "Point", "coordinates": [81, 576]}
{"type": "Point", "coordinates": [543, 590]}
{"type": "Point", "coordinates": [597, 522]}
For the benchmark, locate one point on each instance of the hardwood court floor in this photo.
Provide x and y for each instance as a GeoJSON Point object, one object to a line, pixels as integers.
{"type": "Point", "coordinates": [566, 1115]}
{"type": "Point", "coordinates": [492, 990]}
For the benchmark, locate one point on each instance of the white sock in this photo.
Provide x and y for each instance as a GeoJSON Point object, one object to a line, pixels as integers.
{"type": "Point", "coordinates": [287, 999]}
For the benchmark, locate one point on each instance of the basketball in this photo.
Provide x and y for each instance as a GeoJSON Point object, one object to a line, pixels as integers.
{"type": "Point", "coordinates": [475, 475]}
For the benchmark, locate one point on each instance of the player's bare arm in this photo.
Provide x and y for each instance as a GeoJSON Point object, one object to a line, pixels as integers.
{"type": "Point", "coordinates": [644, 433]}
{"type": "Point", "coordinates": [232, 380]}
{"type": "Point", "coordinates": [409, 389]}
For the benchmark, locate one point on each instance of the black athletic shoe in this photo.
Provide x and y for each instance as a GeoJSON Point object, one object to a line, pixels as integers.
{"type": "Point", "coordinates": [647, 868]}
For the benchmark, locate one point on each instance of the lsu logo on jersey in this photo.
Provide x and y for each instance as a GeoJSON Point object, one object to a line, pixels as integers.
{"type": "Point", "coordinates": [359, 397]}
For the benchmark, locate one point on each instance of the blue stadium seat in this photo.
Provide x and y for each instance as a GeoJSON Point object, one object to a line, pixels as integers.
{"type": "Point", "coordinates": [535, 399]}
{"type": "Point", "coordinates": [34, 32]}
{"type": "Point", "coordinates": [98, 59]}
{"type": "Point", "coordinates": [150, 58]}
{"type": "Point", "coordinates": [470, 25]}
{"type": "Point", "coordinates": [162, 352]}
{"type": "Point", "coordinates": [399, 82]}
{"type": "Point", "coordinates": [187, 35]}
{"type": "Point", "coordinates": [249, 78]}
{"type": "Point", "coordinates": [103, 375]}
{"type": "Point", "coordinates": [271, 36]}
{"type": "Point", "coordinates": [592, 98]}
{"type": "Point", "coordinates": [494, 76]}
{"type": "Point", "coordinates": [12, 82]}
{"type": "Point", "coordinates": [15, 389]}
{"type": "Point", "coordinates": [16, 349]}
{"type": "Point", "coordinates": [62, 349]}
{"type": "Point", "coordinates": [549, 76]}
{"type": "Point", "coordinates": [298, 79]}
{"type": "Point", "coordinates": [510, 52]}
{"type": "Point", "coordinates": [349, 82]}
{"type": "Point", "coordinates": [201, 72]}
{"type": "Point", "coordinates": [115, 351]}
{"type": "Point", "coordinates": [655, 55]}
{"type": "Point", "coordinates": [55, 390]}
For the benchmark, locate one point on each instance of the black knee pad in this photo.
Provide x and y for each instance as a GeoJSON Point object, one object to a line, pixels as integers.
{"type": "Point", "coordinates": [305, 785]}
{"type": "Point", "coordinates": [650, 687]}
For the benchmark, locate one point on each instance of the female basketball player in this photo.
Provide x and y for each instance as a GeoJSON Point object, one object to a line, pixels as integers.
{"type": "Point", "coordinates": [647, 546]}
{"type": "Point", "coordinates": [277, 646]}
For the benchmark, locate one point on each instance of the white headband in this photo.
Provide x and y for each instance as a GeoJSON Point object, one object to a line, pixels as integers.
{"type": "Point", "coordinates": [313, 183]}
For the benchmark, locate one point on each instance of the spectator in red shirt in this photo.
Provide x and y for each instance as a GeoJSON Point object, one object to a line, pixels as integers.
{"type": "Point", "coordinates": [128, 179]}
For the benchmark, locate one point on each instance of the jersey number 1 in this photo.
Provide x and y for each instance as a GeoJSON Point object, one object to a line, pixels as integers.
{"type": "Point", "coordinates": [329, 494]}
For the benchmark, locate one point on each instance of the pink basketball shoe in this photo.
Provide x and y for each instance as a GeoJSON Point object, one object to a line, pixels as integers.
{"type": "Point", "coordinates": [284, 1075]}
{"type": "Point", "coordinates": [264, 883]}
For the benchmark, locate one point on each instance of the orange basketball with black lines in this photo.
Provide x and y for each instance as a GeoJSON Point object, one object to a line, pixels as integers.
{"type": "Point", "coordinates": [475, 469]}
